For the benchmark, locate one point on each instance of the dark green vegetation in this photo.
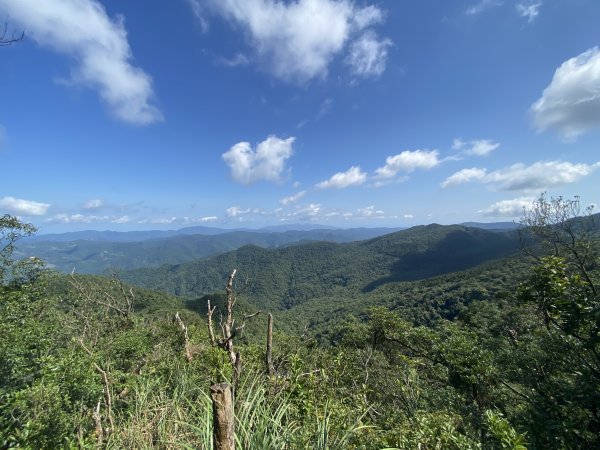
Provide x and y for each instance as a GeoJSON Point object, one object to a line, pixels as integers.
{"type": "Point", "coordinates": [433, 338]}
{"type": "Point", "coordinates": [325, 277]}
{"type": "Point", "coordinates": [92, 252]}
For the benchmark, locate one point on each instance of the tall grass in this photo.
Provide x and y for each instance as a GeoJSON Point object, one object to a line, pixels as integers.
{"type": "Point", "coordinates": [181, 418]}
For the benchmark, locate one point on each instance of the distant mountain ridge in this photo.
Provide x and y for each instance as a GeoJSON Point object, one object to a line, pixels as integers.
{"type": "Point", "coordinates": [96, 256]}
{"type": "Point", "coordinates": [283, 278]}
{"type": "Point", "coordinates": [138, 236]}
{"type": "Point", "coordinates": [493, 225]}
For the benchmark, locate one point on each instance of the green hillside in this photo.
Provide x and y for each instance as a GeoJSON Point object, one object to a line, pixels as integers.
{"type": "Point", "coordinates": [95, 256]}
{"type": "Point", "coordinates": [435, 337]}
{"type": "Point", "coordinates": [278, 279]}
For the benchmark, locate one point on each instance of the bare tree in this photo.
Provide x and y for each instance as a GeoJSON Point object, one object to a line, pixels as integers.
{"type": "Point", "coordinates": [228, 329]}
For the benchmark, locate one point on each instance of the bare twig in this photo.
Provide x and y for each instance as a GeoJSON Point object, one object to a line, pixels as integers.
{"type": "Point", "coordinates": [186, 340]}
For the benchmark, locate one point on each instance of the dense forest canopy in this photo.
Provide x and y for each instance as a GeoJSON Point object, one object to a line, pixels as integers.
{"type": "Point", "coordinates": [434, 337]}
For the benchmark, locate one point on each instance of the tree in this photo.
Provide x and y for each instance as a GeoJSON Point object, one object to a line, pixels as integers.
{"type": "Point", "coordinates": [11, 230]}
{"type": "Point", "coordinates": [558, 359]}
{"type": "Point", "coordinates": [566, 231]}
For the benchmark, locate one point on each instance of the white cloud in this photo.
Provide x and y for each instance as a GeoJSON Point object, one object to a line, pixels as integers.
{"type": "Point", "coordinates": [539, 175]}
{"type": "Point", "coordinates": [292, 198]}
{"type": "Point", "coordinates": [482, 5]}
{"type": "Point", "coordinates": [122, 219]}
{"type": "Point", "coordinates": [25, 207]}
{"type": "Point", "coordinates": [458, 144]}
{"type": "Point", "coordinates": [76, 218]}
{"type": "Point", "coordinates": [529, 10]}
{"type": "Point", "coordinates": [311, 210]}
{"type": "Point", "coordinates": [478, 147]}
{"type": "Point", "coordinates": [199, 11]}
{"type": "Point", "coordinates": [325, 108]}
{"type": "Point", "coordinates": [370, 211]}
{"type": "Point", "coordinates": [266, 163]}
{"type": "Point", "coordinates": [95, 203]}
{"type": "Point", "coordinates": [161, 220]}
{"type": "Point", "coordinates": [368, 55]}
{"type": "Point", "coordinates": [367, 16]}
{"type": "Point", "coordinates": [508, 208]}
{"type": "Point", "coordinates": [464, 176]}
{"type": "Point", "coordinates": [297, 40]}
{"type": "Point", "coordinates": [351, 177]}
{"type": "Point", "coordinates": [571, 103]}
{"type": "Point", "coordinates": [236, 211]}
{"type": "Point", "coordinates": [99, 46]}
{"type": "Point", "coordinates": [519, 177]}
{"type": "Point", "coordinates": [407, 161]}
{"type": "Point", "coordinates": [408, 216]}
{"type": "Point", "coordinates": [206, 219]}
{"type": "Point", "coordinates": [238, 59]}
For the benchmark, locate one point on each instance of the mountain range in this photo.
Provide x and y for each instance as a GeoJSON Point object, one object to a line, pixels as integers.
{"type": "Point", "coordinates": [286, 277]}
{"type": "Point", "coordinates": [95, 252]}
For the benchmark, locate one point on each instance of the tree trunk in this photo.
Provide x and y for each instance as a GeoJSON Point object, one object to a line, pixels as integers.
{"type": "Point", "coordinates": [269, 354]}
{"type": "Point", "coordinates": [223, 418]}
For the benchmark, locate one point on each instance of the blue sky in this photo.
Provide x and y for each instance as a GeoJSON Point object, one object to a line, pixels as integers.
{"type": "Point", "coordinates": [145, 115]}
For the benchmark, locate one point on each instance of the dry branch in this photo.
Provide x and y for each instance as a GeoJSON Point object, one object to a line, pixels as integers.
{"type": "Point", "coordinates": [187, 348]}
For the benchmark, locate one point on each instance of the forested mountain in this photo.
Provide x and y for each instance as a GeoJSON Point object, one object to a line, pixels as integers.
{"type": "Point", "coordinates": [285, 277]}
{"type": "Point", "coordinates": [92, 253]}
{"type": "Point", "coordinates": [493, 226]}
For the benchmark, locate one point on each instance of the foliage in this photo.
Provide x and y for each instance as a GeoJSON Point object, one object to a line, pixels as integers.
{"type": "Point", "coordinates": [503, 355]}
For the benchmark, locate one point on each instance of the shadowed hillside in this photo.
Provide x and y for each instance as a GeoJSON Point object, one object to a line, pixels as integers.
{"type": "Point", "coordinates": [285, 277]}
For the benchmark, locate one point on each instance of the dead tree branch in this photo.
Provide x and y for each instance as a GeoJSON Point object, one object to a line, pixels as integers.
{"type": "Point", "coordinates": [187, 348]}
{"type": "Point", "coordinates": [228, 329]}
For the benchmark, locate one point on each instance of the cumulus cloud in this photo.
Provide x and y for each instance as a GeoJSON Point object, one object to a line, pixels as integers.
{"type": "Point", "coordinates": [24, 207]}
{"type": "Point", "coordinates": [529, 11]}
{"type": "Point", "coordinates": [571, 102]}
{"type": "Point", "coordinates": [292, 198]}
{"type": "Point", "coordinates": [351, 177]}
{"type": "Point", "coordinates": [508, 208]}
{"type": "Point", "coordinates": [477, 147]}
{"type": "Point", "coordinates": [368, 55]}
{"type": "Point", "coordinates": [408, 216]}
{"type": "Point", "coordinates": [519, 177]}
{"type": "Point", "coordinates": [298, 40]}
{"type": "Point", "coordinates": [464, 176]}
{"type": "Point", "coordinates": [407, 161]}
{"type": "Point", "coordinates": [94, 203]}
{"type": "Point", "coordinates": [82, 30]}
{"type": "Point", "coordinates": [267, 162]}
